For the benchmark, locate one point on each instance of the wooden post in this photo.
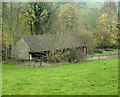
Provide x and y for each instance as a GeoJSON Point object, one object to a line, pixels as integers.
{"type": "Point", "coordinates": [48, 56]}
{"type": "Point", "coordinates": [30, 56]}
{"type": "Point", "coordinates": [41, 58]}
{"type": "Point", "coordinates": [85, 50]}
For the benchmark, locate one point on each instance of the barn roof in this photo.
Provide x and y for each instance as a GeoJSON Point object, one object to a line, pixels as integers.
{"type": "Point", "coordinates": [46, 42]}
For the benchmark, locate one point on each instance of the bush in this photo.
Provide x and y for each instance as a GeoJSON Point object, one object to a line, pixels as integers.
{"type": "Point", "coordinates": [71, 55]}
{"type": "Point", "coordinates": [57, 56]}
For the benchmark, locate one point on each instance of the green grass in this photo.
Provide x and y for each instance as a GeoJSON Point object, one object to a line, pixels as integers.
{"type": "Point", "coordinates": [114, 51]}
{"type": "Point", "coordinates": [97, 5]}
{"type": "Point", "coordinates": [87, 78]}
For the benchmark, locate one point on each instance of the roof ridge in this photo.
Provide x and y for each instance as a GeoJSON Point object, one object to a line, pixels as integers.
{"type": "Point", "coordinates": [53, 41]}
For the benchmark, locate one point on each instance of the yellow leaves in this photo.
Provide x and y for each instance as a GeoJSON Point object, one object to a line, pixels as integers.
{"type": "Point", "coordinates": [7, 38]}
{"type": "Point", "coordinates": [69, 17]}
{"type": "Point", "coordinates": [113, 39]}
{"type": "Point", "coordinates": [30, 18]}
{"type": "Point", "coordinates": [113, 36]}
{"type": "Point", "coordinates": [59, 15]}
{"type": "Point", "coordinates": [33, 15]}
{"type": "Point", "coordinates": [26, 14]}
{"type": "Point", "coordinates": [103, 19]}
{"type": "Point", "coordinates": [104, 15]}
{"type": "Point", "coordinates": [113, 21]}
{"type": "Point", "coordinates": [4, 36]}
{"type": "Point", "coordinates": [44, 13]}
{"type": "Point", "coordinates": [21, 16]}
{"type": "Point", "coordinates": [106, 27]}
{"type": "Point", "coordinates": [100, 38]}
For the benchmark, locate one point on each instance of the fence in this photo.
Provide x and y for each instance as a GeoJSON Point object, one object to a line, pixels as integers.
{"type": "Point", "coordinates": [98, 57]}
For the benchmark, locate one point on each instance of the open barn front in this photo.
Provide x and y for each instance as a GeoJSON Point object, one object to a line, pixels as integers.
{"type": "Point", "coordinates": [76, 54]}
{"type": "Point", "coordinates": [38, 56]}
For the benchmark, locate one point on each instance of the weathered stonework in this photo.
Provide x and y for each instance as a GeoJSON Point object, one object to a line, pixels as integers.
{"type": "Point", "coordinates": [21, 50]}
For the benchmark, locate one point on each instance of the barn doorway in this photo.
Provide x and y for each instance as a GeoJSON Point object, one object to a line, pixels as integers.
{"type": "Point", "coordinates": [38, 56]}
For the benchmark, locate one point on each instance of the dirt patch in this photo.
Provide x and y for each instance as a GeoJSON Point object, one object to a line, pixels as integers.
{"type": "Point", "coordinates": [43, 64]}
{"type": "Point", "coordinates": [35, 64]}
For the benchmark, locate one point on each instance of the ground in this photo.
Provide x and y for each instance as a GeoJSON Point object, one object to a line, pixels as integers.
{"type": "Point", "coordinates": [88, 78]}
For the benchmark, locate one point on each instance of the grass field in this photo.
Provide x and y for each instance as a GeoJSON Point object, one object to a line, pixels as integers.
{"type": "Point", "coordinates": [97, 5]}
{"type": "Point", "coordinates": [87, 78]}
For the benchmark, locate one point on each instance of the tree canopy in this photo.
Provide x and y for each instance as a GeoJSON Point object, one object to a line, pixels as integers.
{"type": "Point", "coordinates": [97, 27]}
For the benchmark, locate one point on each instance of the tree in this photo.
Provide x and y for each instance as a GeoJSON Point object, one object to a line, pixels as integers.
{"type": "Point", "coordinates": [109, 7]}
{"type": "Point", "coordinates": [39, 15]}
{"type": "Point", "coordinates": [107, 32]}
{"type": "Point", "coordinates": [90, 19]}
{"type": "Point", "coordinates": [12, 27]}
{"type": "Point", "coordinates": [118, 25]}
{"type": "Point", "coordinates": [67, 19]}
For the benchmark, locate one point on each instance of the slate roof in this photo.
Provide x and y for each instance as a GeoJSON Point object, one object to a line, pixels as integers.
{"type": "Point", "coordinates": [46, 42]}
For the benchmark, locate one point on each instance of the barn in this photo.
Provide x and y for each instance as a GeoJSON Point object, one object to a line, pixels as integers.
{"type": "Point", "coordinates": [36, 46]}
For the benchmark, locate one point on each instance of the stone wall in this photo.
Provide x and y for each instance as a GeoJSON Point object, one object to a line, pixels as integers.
{"type": "Point", "coordinates": [21, 50]}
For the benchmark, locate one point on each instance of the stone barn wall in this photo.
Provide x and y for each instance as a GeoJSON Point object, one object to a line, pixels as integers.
{"type": "Point", "coordinates": [21, 50]}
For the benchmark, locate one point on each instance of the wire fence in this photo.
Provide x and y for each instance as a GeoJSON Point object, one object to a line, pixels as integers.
{"type": "Point", "coordinates": [98, 57]}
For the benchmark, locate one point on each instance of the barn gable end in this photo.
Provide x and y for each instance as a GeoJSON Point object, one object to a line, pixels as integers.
{"type": "Point", "coordinates": [21, 50]}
